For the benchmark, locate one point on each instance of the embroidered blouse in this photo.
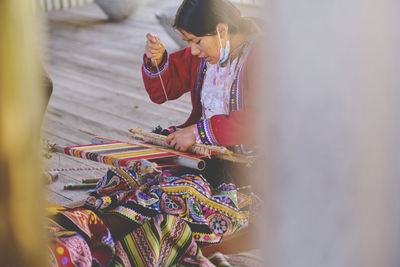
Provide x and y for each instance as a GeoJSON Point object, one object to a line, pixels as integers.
{"type": "Point", "coordinates": [216, 89]}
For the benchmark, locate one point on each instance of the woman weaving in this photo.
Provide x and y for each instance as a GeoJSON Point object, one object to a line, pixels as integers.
{"type": "Point", "coordinates": [213, 68]}
{"type": "Point", "coordinates": [136, 218]}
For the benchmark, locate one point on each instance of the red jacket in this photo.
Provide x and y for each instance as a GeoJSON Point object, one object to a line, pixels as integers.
{"type": "Point", "coordinates": [182, 72]}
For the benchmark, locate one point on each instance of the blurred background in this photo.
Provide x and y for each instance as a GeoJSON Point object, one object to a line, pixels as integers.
{"type": "Point", "coordinates": [329, 131]}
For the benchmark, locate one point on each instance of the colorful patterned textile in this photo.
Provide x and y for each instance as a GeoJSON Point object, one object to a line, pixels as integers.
{"type": "Point", "coordinates": [210, 213]}
{"type": "Point", "coordinates": [80, 238]}
{"type": "Point", "coordinates": [134, 218]}
{"type": "Point", "coordinates": [69, 248]}
{"type": "Point", "coordinates": [165, 240]}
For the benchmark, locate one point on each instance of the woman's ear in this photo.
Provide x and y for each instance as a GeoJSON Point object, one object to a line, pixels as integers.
{"type": "Point", "coordinates": [223, 28]}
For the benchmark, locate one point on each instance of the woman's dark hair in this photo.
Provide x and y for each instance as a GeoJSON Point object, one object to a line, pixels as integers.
{"type": "Point", "coordinates": [200, 17]}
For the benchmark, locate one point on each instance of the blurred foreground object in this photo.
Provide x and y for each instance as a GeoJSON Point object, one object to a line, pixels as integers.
{"type": "Point", "coordinates": [22, 239]}
{"type": "Point", "coordinates": [332, 127]}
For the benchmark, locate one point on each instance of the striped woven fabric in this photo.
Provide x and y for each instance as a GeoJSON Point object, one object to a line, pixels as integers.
{"type": "Point", "coordinates": [165, 240]}
{"type": "Point", "coordinates": [49, 5]}
{"type": "Point", "coordinates": [120, 154]}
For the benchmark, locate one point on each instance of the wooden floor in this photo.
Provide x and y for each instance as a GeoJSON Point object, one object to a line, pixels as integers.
{"type": "Point", "coordinates": [95, 66]}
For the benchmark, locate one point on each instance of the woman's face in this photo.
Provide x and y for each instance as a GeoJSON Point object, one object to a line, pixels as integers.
{"type": "Point", "coordinates": [206, 47]}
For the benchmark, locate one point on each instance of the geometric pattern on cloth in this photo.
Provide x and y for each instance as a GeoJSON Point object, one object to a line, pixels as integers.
{"type": "Point", "coordinates": [188, 197]}
{"type": "Point", "coordinates": [69, 248]}
{"type": "Point", "coordinates": [94, 231]}
{"type": "Point", "coordinates": [165, 240]}
{"type": "Point", "coordinates": [243, 200]}
{"type": "Point", "coordinates": [81, 219]}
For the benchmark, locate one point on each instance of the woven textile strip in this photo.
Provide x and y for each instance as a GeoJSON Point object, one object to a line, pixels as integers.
{"type": "Point", "coordinates": [49, 5]}
{"type": "Point", "coordinates": [166, 240]}
{"type": "Point", "coordinates": [118, 154]}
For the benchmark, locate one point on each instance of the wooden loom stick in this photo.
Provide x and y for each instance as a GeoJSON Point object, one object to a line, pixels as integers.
{"type": "Point", "coordinates": [90, 180]}
{"type": "Point", "coordinates": [80, 186]}
{"type": "Point", "coordinates": [158, 139]}
{"type": "Point", "coordinates": [200, 149]}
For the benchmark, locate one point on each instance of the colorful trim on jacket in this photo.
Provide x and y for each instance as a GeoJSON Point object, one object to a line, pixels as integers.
{"type": "Point", "coordinates": [152, 71]}
{"type": "Point", "coordinates": [201, 71]}
{"type": "Point", "coordinates": [205, 132]}
{"type": "Point", "coordinates": [236, 97]}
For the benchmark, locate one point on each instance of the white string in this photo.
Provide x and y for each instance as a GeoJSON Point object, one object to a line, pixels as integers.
{"type": "Point", "coordinates": [162, 83]}
{"type": "Point", "coordinates": [159, 75]}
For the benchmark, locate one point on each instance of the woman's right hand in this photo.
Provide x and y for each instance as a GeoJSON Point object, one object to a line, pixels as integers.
{"type": "Point", "coordinates": [154, 49]}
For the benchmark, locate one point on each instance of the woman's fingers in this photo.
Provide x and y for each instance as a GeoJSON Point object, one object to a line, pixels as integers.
{"type": "Point", "coordinates": [152, 38]}
{"type": "Point", "coordinates": [182, 139]}
{"type": "Point", "coordinates": [151, 47]}
{"type": "Point", "coordinates": [173, 143]}
{"type": "Point", "coordinates": [154, 48]}
{"type": "Point", "coordinates": [171, 140]}
{"type": "Point", "coordinates": [154, 42]}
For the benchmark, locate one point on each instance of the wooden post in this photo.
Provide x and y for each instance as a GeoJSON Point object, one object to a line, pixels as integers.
{"type": "Point", "coordinates": [22, 239]}
{"type": "Point", "coordinates": [331, 136]}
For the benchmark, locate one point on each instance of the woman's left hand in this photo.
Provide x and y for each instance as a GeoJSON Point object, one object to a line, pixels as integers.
{"type": "Point", "coordinates": [182, 139]}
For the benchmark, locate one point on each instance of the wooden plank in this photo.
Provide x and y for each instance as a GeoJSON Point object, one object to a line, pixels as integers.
{"type": "Point", "coordinates": [128, 106]}
{"type": "Point", "coordinates": [58, 198]}
{"type": "Point", "coordinates": [80, 81]}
